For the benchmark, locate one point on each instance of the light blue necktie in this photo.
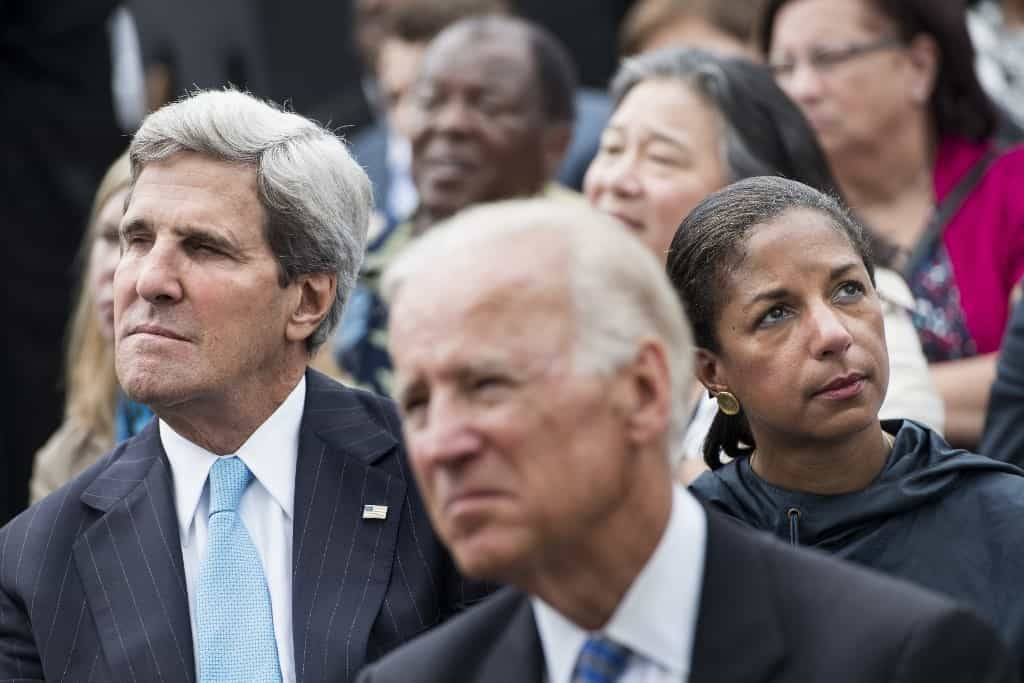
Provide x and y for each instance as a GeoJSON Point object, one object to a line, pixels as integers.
{"type": "Point", "coordinates": [234, 619]}
{"type": "Point", "coordinates": [600, 661]}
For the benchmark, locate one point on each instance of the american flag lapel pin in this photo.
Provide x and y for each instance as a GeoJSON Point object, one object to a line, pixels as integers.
{"type": "Point", "coordinates": [375, 512]}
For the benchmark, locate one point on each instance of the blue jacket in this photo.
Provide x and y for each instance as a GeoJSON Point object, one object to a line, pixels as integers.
{"type": "Point", "coordinates": [943, 518]}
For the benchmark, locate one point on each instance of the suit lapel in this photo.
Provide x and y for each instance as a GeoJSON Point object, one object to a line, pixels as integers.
{"type": "Point", "coordinates": [130, 564]}
{"type": "Point", "coordinates": [341, 561]}
{"type": "Point", "coordinates": [518, 655]}
{"type": "Point", "coordinates": [739, 633]}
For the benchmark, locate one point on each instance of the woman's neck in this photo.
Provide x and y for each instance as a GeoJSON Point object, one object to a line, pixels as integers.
{"type": "Point", "coordinates": [825, 468]}
{"type": "Point", "coordinates": [890, 186]}
{"type": "Point", "coordinates": [883, 173]}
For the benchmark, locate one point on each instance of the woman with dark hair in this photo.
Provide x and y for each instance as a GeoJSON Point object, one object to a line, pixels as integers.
{"type": "Point", "coordinates": [686, 123]}
{"type": "Point", "coordinates": [890, 88]}
{"type": "Point", "coordinates": [777, 282]}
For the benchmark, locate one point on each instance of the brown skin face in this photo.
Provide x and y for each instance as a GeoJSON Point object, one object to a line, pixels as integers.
{"type": "Point", "coordinates": [801, 335]}
{"type": "Point", "coordinates": [479, 133]}
{"type": "Point", "coordinates": [659, 156]}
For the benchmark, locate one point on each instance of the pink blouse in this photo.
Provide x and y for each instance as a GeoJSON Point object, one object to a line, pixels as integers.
{"type": "Point", "coordinates": [985, 239]}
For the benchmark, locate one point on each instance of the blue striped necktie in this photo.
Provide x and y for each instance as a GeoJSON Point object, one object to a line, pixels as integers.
{"type": "Point", "coordinates": [233, 614]}
{"type": "Point", "coordinates": [600, 661]}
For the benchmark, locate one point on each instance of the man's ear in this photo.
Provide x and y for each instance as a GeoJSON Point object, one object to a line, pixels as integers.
{"type": "Point", "coordinates": [649, 393]}
{"type": "Point", "coordinates": [710, 372]}
{"type": "Point", "coordinates": [556, 143]}
{"type": "Point", "coordinates": [924, 59]}
{"type": "Point", "coordinates": [316, 296]}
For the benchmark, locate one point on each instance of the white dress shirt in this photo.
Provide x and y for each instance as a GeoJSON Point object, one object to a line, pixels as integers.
{"type": "Point", "coordinates": [657, 617]}
{"type": "Point", "coordinates": [266, 509]}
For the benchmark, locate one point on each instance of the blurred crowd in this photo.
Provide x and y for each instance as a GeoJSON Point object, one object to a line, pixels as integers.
{"type": "Point", "coordinates": [685, 121]}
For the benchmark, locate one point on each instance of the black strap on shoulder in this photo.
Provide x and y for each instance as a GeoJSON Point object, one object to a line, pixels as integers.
{"type": "Point", "coordinates": [945, 211]}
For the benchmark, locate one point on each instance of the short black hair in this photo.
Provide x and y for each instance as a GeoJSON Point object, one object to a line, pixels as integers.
{"type": "Point", "coordinates": [554, 70]}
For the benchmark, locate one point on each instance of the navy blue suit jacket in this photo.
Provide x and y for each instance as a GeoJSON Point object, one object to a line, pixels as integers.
{"type": "Point", "coordinates": [92, 585]}
{"type": "Point", "coordinates": [1004, 426]}
{"type": "Point", "coordinates": [768, 613]}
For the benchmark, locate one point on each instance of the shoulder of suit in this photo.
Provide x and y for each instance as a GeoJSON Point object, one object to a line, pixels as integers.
{"type": "Point", "coordinates": [57, 519]}
{"type": "Point", "coordinates": [451, 645]}
{"type": "Point", "coordinates": [380, 409]}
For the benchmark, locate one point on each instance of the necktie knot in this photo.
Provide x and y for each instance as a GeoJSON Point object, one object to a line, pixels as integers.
{"type": "Point", "coordinates": [601, 661]}
{"type": "Point", "coordinates": [229, 477]}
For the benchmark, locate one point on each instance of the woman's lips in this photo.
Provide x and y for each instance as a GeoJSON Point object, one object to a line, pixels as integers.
{"type": "Point", "coordinates": [842, 388]}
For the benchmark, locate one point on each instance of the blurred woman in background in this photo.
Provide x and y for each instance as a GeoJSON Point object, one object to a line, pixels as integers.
{"type": "Point", "coordinates": [890, 88]}
{"type": "Point", "coordinates": [687, 123]}
{"type": "Point", "coordinates": [96, 414]}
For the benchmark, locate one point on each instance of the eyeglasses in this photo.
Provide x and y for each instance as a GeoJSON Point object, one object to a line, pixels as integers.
{"type": "Point", "coordinates": [824, 59]}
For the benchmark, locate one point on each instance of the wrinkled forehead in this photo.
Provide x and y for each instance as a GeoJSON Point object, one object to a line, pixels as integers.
{"type": "Point", "coordinates": [468, 317]}
{"type": "Point", "coordinates": [496, 283]}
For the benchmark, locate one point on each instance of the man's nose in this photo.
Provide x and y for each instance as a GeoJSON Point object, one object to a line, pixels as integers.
{"type": "Point", "coordinates": [158, 277]}
{"type": "Point", "coordinates": [829, 333]}
{"type": "Point", "coordinates": [446, 437]}
{"type": "Point", "coordinates": [453, 116]}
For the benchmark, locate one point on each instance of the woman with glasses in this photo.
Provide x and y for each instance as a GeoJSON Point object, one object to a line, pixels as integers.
{"type": "Point", "coordinates": [890, 89]}
{"type": "Point", "coordinates": [687, 123]}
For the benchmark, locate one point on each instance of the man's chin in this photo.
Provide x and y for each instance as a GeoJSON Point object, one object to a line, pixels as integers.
{"type": "Point", "coordinates": [155, 390]}
{"type": "Point", "coordinates": [488, 561]}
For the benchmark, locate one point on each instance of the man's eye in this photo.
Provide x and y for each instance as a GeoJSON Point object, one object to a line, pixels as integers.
{"type": "Point", "coordinates": [134, 239]}
{"type": "Point", "coordinates": [412, 403]}
{"type": "Point", "coordinates": [486, 382]}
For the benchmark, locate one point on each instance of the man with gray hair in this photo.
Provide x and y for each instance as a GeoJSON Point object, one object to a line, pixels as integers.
{"type": "Point", "coordinates": [265, 527]}
{"type": "Point", "coordinates": [541, 367]}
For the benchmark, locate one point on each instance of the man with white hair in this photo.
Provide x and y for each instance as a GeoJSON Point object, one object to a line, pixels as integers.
{"type": "Point", "coordinates": [265, 527]}
{"type": "Point", "coordinates": [541, 367]}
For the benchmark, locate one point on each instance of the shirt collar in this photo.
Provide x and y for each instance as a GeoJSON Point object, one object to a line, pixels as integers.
{"type": "Point", "coordinates": [270, 453]}
{"type": "Point", "coordinates": [657, 617]}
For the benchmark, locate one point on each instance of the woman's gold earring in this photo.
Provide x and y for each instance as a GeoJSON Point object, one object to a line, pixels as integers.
{"type": "Point", "coordinates": [727, 403]}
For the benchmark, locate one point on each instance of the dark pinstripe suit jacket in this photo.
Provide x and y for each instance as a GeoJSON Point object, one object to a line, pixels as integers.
{"type": "Point", "coordinates": [92, 584]}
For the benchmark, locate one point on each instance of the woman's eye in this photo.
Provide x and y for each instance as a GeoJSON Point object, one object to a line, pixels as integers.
{"type": "Point", "coordinates": [850, 290]}
{"type": "Point", "coordinates": [773, 315]}
{"type": "Point", "coordinates": [662, 160]}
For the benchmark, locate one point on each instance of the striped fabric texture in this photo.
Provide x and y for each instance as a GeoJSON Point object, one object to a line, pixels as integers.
{"type": "Point", "coordinates": [92, 583]}
{"type": "Point", "coordinates": [600, 661]}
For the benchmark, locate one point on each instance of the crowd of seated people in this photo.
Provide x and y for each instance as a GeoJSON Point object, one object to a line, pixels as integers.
{"type": "Point", "coordinates": [755, 378]}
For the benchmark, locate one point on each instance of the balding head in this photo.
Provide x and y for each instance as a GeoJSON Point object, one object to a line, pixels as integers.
{"type": "Point", "coordinates": [616, 292]}
{"type": "Point", "coordinates": [493, 115]}
{"type": "Point", "coordinates": [541, 361]}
